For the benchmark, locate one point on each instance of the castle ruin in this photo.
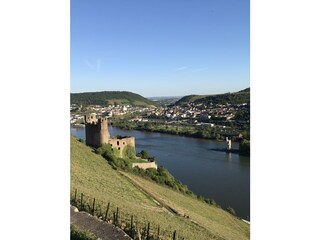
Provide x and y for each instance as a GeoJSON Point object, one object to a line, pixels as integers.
{"type": "Point", "coordinates": [96, 130]}
{"type": "Point", "coordinates": [97, 134]}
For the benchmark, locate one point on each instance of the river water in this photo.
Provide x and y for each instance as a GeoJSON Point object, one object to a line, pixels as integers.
{"type": "Point", "coordinates": [223, 177]}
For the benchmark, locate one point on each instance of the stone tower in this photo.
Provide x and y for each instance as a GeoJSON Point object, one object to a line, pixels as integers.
{"type": "Point", "coordinates": [96, 130]}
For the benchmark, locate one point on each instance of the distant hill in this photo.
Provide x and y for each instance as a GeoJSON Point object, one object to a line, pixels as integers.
{"type": "Point", "coordinates": [242, 96]}
{"type": "Point", "coordinates": [188, 99]}
{"type": "Point", "coordinates": [110, 98]}
{"type": "Point", "coordinates": [164, 101]}
{"type": "Point", "coordinates": [245, 90]}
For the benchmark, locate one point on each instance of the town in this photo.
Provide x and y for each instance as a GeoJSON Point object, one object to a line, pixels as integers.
{"type": "Point", "coordinates": [224, 119]}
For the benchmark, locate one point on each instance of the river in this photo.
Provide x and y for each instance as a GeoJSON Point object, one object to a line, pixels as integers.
{"type": "Point", "coordinates": [223, 177]}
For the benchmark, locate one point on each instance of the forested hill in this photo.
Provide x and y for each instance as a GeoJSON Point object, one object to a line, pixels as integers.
{"type": "Point", "coordinates": [110, 98]}
{"type": "Point", "coordinates": [242, 96]}
{"type": "Point", "coordinates": [245, 90]}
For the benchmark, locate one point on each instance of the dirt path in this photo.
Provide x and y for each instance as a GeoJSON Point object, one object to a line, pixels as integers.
{"type": "Point", "coordinates": [99, 228]}
{"type": "Point", "coordinates": [160, 203]}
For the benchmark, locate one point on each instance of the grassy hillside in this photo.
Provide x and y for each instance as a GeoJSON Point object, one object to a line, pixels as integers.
{"type": "Point", "coordinates": [110, 98]}
{"type": "Point", "coordinates": [242, 96]}
{"type": "Point", "coordinates": [92, 176]}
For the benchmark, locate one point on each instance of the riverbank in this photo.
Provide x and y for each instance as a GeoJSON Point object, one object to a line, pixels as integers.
{"type": "Point", "coordinates": [97, 182]}
{"type": "Point", "coordinates": [181, 130]}
{"type": "Point", "coordinates": [208, 176]}
{"type": "Point", "coordinates": [187, 131]}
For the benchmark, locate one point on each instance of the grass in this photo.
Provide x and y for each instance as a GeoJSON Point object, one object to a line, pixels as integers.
{"type": "Point", "coordinates": [214, 219]}
{"type": "Point", "coordinates": [78, 234]}
{"type": "Point", "coordinates": [94, 177]}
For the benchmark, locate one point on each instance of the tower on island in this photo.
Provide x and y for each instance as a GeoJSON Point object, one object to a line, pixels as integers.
{"type": "Point", "coordinates": [228, 144]}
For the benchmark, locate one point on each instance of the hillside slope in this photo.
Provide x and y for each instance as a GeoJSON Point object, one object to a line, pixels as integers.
{"type": "Point", "coordinates": [242, 96]}
{"type": "Point", "coordinates": [92, 176]}
{"type": "Point", "coordinates": [110, 98]}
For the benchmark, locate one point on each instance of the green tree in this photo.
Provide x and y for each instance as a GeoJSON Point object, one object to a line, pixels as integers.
{"type": "Point", "coordinates": [244, 147]}
{"type": "Point", "coordinates": [152, 159]}
{"type": "Point", "coordinates": [107, 152]}
{"type": "Point", "coordinates": [148, 125]}
{"type": "Point", "coordinates": [129, 152]}
{"type": "Point", "coordinates": [246, 134]}
{"type": "Point", "coordinates": [218, 136]}
{"type": "Point", "coordinates": [144, 154]}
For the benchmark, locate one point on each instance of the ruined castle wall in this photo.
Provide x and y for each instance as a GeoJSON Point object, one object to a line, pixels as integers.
{"type": "Point", "coordinates": [120, 144]}
{"type": "Point", "coordinates": [90, 118]}
{"type": "Point", "coordinates": [145, 165]}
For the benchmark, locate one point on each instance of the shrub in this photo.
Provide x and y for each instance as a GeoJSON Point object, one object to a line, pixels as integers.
{"type": "Point", "coordinates": [231, 211]}
{"type": "Point", "coordinates": [209, 201]}
{"type": "Point", "coordinates": [129, 152]}
{"type": "Point", "coordinates": [244, 147]}
{"type": "Point", "coordinates": [103, 149]}
{"type": "Point", "coordinates": [144, 154]}
{"type": "Point", "coordinates": [201, 198]}
{"type": "Point", "coordinates": [77, 234]}
{"type": "Point", "coordinates": [109, 156]}
{"type": "Point", "coordinates": [152, 159]}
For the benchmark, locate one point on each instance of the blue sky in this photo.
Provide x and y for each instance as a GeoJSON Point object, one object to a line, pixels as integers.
{"type": "Point", "coordinates": [160, 47]}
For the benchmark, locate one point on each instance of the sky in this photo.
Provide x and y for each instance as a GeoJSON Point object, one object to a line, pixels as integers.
{"type": "Point", "coordinates": [160, 47]}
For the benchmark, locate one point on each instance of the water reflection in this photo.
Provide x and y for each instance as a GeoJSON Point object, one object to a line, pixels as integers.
{"type": "Point", "coordinates": [229, 157]}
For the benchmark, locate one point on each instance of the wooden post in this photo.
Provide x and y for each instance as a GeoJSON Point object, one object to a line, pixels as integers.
{"type": "Point", "coordinates": [106, 216]}
{"type": "Point", "coordinates": [158, 232]}
{"type": "Point", "coordinates": [75, 197]}
{"type": "Point", "coordinates": [114, 218]}
{"type": "Point", "coordinates": [174, 235]}
{"type": "Point", "coordinates": [138, 231]}
{"type": "Point", "coordinates": [118, 219]}
{"type": "Point", "coordinates": [131, 227]}
{"type": "Point", "coordinates": [93, 206]}
{"type": "Point", "coordinates": [148, 231]}
{"type": "Point", "coordinates": [117, 215]}
{"type": "Point", "coordinates": [81, 201]}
